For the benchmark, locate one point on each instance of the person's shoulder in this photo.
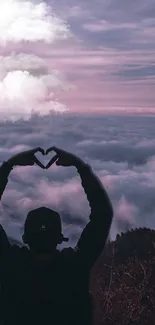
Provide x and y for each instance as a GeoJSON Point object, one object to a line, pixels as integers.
{"type": "Point", "coordinates": [72, 259]}
{"type": "Point", "coordinates": [18, 251]}
{"type": "Point", "coordinates": [13, 257]}
{"type": "Point", "coordinates": [67, 254]}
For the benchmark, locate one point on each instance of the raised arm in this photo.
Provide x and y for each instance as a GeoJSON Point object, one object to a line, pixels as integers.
{"type": "Point", "coordinates": [94, 236]}
{"type": "Point", "coordinates": [25, 158]}
{"type": "Point", "coordinates": [21, 159]}
{"type": "Point", "coordinates": [5, 170]}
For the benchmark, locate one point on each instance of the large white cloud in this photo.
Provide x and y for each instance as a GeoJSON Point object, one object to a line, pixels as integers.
{"type": "Point", "coordinates": [22, 94]}
{"type": "Point", "coordinates": [20, 61]}
{"type": "Point", "coordinates": [27, 85]}
{"type": "Point", "coordinates": [26, 21]}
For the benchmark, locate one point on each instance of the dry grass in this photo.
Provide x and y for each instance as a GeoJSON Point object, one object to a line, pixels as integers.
{"type": "Point", "coordinates": [122, 281]}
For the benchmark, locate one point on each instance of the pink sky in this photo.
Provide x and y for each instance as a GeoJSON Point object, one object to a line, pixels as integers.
{"type": "Point", "coordinates": [103, 53]}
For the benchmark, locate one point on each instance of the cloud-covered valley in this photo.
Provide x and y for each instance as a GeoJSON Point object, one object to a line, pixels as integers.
{"type": "Point", "coordinates": [121, 151]}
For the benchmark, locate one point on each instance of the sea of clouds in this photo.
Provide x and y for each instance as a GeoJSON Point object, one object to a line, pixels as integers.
{"type": "Point", "coordinates": [121, 151]}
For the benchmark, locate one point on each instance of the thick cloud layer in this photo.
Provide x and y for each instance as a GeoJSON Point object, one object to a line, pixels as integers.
{"type": "Point", "coordinates": [27, 84]}
{"type": "Point", "coordinates": [121, 151]}
{"type": "Point", "coordinates": [23, 93]}
{"type": "Point", "coordinates": [24, 20]}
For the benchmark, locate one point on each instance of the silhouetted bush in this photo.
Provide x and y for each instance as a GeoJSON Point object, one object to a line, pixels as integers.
{"type": "Point", "coordinates": [122, 281]}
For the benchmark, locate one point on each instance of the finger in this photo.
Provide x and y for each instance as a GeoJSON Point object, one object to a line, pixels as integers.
{"type": "Point", "coordinates": [37, 162]}
{"type": "Point", "coordinates": [61, 162]}
{"type": "Point", "coordinates": [31, 163]}
{"type": "Point", "coordinates": [38, 149]}
{"type": "Point", "coordinates": [49, 150]}
{"type": "Point", "coordinates": [58, 162]}
{"type": "Point", "coordinates": [57, 150]}
{"type": "Point", "coordinates": [52, 161]}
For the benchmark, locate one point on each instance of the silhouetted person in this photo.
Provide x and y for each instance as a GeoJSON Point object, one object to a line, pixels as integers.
{"type": "Point", "coordinates": [39, 284]}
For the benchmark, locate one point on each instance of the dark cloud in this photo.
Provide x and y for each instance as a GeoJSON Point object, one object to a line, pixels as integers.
{"type": "Point", "coordinates": [37, 72]}
{"type": "Point", "coordinates": [118, 38]}
{"type": "Point", "coordinates": [137, 73]}
{"type": "Point", "coordinates": [121, 151]}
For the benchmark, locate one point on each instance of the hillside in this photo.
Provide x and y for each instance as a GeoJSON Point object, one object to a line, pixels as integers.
{"type": "Point", "coordinates": [122, 281]}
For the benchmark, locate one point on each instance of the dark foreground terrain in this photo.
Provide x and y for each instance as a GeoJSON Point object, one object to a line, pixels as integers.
{"type": "Point", "coordinates": [123, 280]}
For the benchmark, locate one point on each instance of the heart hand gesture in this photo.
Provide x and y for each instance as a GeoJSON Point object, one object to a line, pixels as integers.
{"type": "Point", "coordinates": [27, 158]}
{"type": "Point", "coordinates": [62, 158]}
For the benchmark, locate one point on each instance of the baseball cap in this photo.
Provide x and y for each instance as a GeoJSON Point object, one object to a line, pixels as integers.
{"type": "Point", "coordinates": [43, 220]}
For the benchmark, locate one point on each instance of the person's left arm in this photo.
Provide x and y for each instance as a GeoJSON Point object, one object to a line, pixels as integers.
{"type": "Point", "coordinates": [94, 236]}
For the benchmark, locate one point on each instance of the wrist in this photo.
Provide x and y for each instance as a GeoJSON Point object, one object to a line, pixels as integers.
{"type": "Point", "coordinates": [80, 165]}
{"type": "Point", "coordinates": [6, 168]}
{"type": "Point", "coordinates": [10, 163]}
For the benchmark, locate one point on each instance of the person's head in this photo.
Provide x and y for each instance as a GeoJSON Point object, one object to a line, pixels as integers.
{"type": "Point", "coordinates": [43, 231]}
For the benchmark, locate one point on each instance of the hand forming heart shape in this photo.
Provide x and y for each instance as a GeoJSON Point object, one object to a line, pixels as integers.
{"type": "Point", "coordinates": [28, 158]}
{"type": "Point", "coordinates": [51, 161]}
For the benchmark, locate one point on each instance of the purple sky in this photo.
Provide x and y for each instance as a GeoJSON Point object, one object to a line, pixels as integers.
{"type": "Point", "coordinates": [113, 65]}
{"type": "Point", "coordinates": [85, 56]}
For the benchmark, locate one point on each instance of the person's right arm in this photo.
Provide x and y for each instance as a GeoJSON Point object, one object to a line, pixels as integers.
{"type": "Point", "coordinates": [5, 170]}
{"type": "Point", "coordinates": [25, 158]}
{"type": "Point", "coordinates": [4, 241]}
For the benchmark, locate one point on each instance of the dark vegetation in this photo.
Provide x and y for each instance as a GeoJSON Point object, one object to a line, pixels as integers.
{"type": "Point", "coordinates": [123, 280]}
